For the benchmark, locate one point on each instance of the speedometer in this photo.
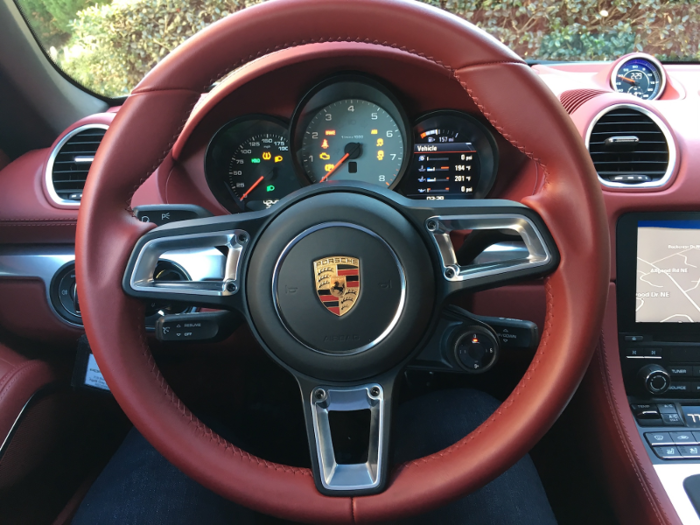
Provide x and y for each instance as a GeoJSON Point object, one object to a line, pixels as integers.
{"type": "Point", "coordinates": [639, 75]}
{"type": "Point", "coordinates": [350, 128]}
{"type": "Point", "coordinates": [249, 165]}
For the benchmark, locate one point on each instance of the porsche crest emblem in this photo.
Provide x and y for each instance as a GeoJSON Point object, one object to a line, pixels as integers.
{"type": "Point", "coordinates": [337, 283]}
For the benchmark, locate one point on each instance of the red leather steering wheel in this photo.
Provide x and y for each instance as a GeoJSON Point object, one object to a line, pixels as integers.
{"type": "Point", "coordinates": [568, 204]}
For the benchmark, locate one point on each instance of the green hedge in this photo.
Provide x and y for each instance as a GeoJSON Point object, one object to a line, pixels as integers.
{"type": "Point", "coordinates": [52, 19]}
{"type": "Point", "coordinates": [113, 46]}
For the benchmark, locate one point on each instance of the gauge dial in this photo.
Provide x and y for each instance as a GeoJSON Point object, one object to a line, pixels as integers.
{"type": "Point", "coordinates": [250, 158]}
{"type": "Point", "coordinates": [641, 76]}
{"type": "Point", "coordinates": [351, 128]}
{"type": "Point", "coordinates": [454, 157]}
{"type": "Point", "coordinates": [353, 140]}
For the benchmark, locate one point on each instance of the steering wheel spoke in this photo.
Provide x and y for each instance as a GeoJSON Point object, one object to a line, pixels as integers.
{"type": "Point", "coordinates": [348, 428]}
{"type": "Point", "coordinates": [501, 241]}
{"type": "Point", "coordinates": [214, 241]}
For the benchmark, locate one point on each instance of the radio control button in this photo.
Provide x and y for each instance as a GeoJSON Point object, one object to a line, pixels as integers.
{"type": "Point", "coordinates": [634, 352]}
{"type": "Point", "coordinates": [634, 338]}
{"type": "Point", "coordinates": [680, 370]}
{"type": "Point", "coordinates": [656, 353]}
{"type": "Point", "coordinates": [696, 371]}
{"type": "Point", "coordinates": [679, 387]}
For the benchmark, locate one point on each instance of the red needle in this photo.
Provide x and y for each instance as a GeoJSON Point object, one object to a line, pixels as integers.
{"type": "Point", "coordinates": [631, 81]}
{"type": "Point", "coordinates": [335, 167]}
{"type": "Point", "coordinates": [253, 187]}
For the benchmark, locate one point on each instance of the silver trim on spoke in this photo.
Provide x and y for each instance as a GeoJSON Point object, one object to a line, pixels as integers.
{"type": "Point", "coordinates": [141, 279]}
{"type": "Point", "coordinates": [358, 476]}
{"type": "Point", "coordinates": [440, 227]}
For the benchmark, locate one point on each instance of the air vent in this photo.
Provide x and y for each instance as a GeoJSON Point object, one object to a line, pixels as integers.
{"type": "Point", "coordinates": [70, 162]}
{"type": "Point", "coordinates": [631, 147]}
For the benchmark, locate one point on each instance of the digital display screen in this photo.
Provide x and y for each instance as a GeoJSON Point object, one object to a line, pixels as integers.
{"type": "Point", "coordinates": [668, 271]}
{"type": "Point", "coordinates": [447, 170]}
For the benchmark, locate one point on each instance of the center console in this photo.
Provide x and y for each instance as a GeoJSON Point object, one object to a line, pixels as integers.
{"type": "Point", "coordinates": [658, 287]}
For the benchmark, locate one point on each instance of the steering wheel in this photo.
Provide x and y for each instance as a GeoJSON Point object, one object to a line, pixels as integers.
{"type": "Point", "coordinates": [399, 248]}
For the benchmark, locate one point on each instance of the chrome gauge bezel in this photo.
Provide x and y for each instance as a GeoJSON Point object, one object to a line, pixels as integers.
{"type": "Point", "coordinates": [640, 56]}
{"type": "Point", "coordinates": [342, 87]}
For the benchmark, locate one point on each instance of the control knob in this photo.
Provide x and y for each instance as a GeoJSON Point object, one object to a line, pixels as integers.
{"type": "Point", "coordinates": [476, 349]}
{"type": "Point", "coordinates": [655, 379]}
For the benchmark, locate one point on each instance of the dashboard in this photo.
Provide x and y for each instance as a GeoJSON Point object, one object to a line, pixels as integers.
{"type": "Point", "coordinates": [348, 111]}
{"type": "Point", "coordinates": [356, 112]}
{"type": "Point", "coordinates": [350, 127]}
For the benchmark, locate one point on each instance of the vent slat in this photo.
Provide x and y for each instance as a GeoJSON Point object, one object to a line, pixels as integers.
{"type": "Point", "coordinates": [68, 177]}
{"type": "Point", "coordinates": [60, 172]}
{"type": "Point", "coordinates": [649, 156]}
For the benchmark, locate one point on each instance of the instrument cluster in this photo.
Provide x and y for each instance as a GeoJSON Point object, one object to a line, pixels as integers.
{"type": "Point", "coordinates": [350, 127]}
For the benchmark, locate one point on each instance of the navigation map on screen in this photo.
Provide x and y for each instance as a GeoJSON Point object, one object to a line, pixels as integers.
{"type": "Point", "coordinates": [668, 272]}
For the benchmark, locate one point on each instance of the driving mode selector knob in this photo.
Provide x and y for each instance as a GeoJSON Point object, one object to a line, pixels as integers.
{"type": "Point", "coordinates": [476, 349]}
{"type": "Point", "coordinates": [655, 379]}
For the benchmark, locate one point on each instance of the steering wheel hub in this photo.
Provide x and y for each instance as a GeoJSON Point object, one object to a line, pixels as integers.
{"type": "Point", "coordinates": [342, 266]}
{"type": "Point", "coordinates": [339, 288]}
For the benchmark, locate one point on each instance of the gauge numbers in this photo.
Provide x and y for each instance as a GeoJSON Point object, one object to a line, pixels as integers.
{"type": "Point", "coordinates": [248, 163]}
{"type": "Point", "coordinates": [642, 77]}
{"type": "Point", "coordinates": [257, 169]}
{"type": "Point", "coordinates": [353, 139]}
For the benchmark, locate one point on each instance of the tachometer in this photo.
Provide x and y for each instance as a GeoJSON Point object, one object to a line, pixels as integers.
{"type": "Point", "coordinates": [248, 161]}
{"type": "Point", "coordinates": [639, 75]}
{"type": "Point", "coordinates": [351, 130]}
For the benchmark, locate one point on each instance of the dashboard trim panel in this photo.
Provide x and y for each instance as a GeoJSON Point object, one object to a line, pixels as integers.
{"type": "Point", "coordinates": [43, 262]}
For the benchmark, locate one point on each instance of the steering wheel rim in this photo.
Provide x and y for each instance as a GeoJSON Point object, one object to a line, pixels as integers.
{"type": "Point", "coordinates": [569, 201]}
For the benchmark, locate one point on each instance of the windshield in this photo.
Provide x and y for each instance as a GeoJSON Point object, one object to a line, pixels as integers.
{"type": "Point", "coordinates": [109, 45]}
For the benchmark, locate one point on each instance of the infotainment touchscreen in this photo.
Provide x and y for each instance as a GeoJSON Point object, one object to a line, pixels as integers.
{"type": "Point", "coordinates": [668, 271]}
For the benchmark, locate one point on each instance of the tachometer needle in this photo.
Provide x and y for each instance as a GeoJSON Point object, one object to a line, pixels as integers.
{"type": "Point", "coordinates": [343, 159]}
{"type": "Point", "coordinates": [253, 187]}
